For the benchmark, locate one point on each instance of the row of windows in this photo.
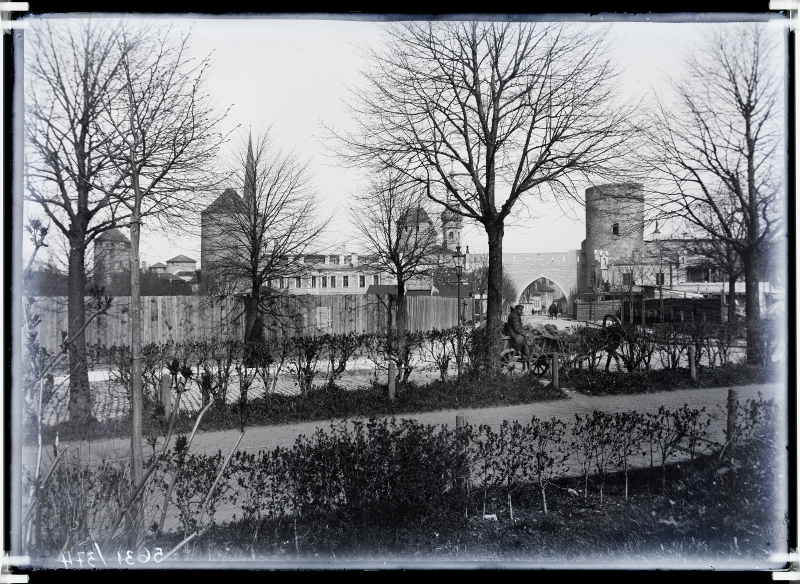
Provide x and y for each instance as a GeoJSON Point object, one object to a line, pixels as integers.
{"type": "Point", "coordinates": [326, 281]}
{"type": "Point", "coordinates": [627, 279]}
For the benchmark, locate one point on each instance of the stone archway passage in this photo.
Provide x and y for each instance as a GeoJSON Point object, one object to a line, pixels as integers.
{"type": "Point", "coordinates": [561, 268]}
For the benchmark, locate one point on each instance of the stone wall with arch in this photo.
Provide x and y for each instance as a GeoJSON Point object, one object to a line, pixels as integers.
{"type": "Point", "coordinates": [524, 268]}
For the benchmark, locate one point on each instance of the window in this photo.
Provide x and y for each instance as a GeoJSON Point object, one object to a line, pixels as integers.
{"type": "Point", "coordinates": [451, 235]}
{"type": "Point", "coordinates": [627, 279]}
{"type": "Point", "coordinates": [282, 283]}
{"type": "Point", "coordinates": [660, 279]}
{"type": "Point", "coordinates": [361, 281]}
{"type": "Point", "coordinates": [313, 281]}
{"type": "Point", "coordinates": [345, 281]}
{"type": "Point", "coordinates": [333, 281]}
{"type": "Point", "coordinates": [333, 260]}
{"type": "Point", "coordinates": [615, 228]}
{"type": "Point", "coordinates": [324, 281]}
{"type": "Point", "coordinates": [636, 255]}
{"type": "Point", "coordinates": [376, 279]}
{"type": "Point", "coordinates": [298, 282]}
{"type": "Point", "coordinates": [697, 274]}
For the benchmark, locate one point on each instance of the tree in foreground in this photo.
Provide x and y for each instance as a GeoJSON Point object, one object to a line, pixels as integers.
{"type": "Point", "coordinates": [265, 234]}
{"type": "Point", "coordinates": [721, 144]}
{"type": "Point", "coordinates": [486, 113]}
{"type": "Point", "coordinates": [478, 280]}
{"type": "Point", "coordinates": [395, 230]}
{"type": "Point", "coordinates": [72, 73]}
{"type": "Point", "coordinates": [161, 132]}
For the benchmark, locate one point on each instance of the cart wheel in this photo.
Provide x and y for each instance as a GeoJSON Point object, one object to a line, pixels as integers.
{"type": "Point", "coordinates": [510, 363]}
{"type": "Point", "coordinates": [540, 366]}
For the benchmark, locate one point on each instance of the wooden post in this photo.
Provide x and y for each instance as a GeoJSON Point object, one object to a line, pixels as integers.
{"type": "Point", "coordinates": [392, 376]}
{"type": "Point", "coordinates": [166, 395]}
{"type": "Point", "coordinates": [692, 366]}
{"type": "Point", "coordinates": [733, 400]}
{"type": "Point", "coordinates": [461, 420]}
{"type": "Point", "coordinates": [554, 369]}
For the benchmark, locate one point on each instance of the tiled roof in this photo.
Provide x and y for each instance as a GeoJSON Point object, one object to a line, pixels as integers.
{"type": "Point", "coordinates": [181, 259]}
{"type": "Point", "coordinates": [112, 235]}
{"type": "Point", "coordinates": [227, 202]}
{"type": "Point", "coordinates": [158, 265]}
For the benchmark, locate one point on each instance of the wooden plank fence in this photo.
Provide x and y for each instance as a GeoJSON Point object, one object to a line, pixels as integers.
{"type": "Point", "coordinates": [594, 310]}
{"type": "Point", "coordinates": [431, 312]}
{"type": "Point", "coordinates": [676, 310]}
{"type": "Point", "coordinates": [180, 318]}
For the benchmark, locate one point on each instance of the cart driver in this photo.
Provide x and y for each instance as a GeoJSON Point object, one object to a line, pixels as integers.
{"type": "Point", "coordinates": [516, 333]}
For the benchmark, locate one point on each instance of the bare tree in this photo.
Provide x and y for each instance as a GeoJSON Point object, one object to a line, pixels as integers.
{"type": "Point", "coordinates": [718, 253]}
{"type": "Point", "coordinates": [487, 112]}
{"type": "Point", "coordinates": [725, 130]}
{"type": "Point", "coordinates": [162, 136]}
{"type": "Point", "coordinates": [394, 225]}
{"type": "Point", "coordinates": [72, 73]}
{"type": "Point", "coordinates": [479, 281]}
{"type": "Point", "coordinates": [265, 234]}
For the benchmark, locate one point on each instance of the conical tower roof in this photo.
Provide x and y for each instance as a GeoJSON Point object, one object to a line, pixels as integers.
{"type": "Point", "coordinates": [249, 174]}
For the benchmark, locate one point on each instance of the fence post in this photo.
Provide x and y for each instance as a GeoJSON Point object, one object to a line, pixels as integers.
{"type": "Point", "coordinates": [733, 400]}
{"type": "Point", "coordinates": [166, 396]}
{"type": "Point", "coordinates": [392, 376]}
{"type": "Point", "coordinates": [554, 369]}
{"type": "Point", "coordinates": [692, 366]}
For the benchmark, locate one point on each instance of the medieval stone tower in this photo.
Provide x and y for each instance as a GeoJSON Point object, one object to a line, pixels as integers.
{"type": "Point", "coordinates": [614, 230]}
{"type": "Point", "coordinates": [216, 224]}
{"type": "Point", "coordinates": [112, 253]}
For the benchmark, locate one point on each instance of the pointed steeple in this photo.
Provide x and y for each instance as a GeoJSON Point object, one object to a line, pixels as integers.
{"type": "Point", "coordinates": [249, 174]}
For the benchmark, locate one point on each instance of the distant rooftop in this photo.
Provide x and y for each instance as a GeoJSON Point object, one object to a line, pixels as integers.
{"type": "Point", "coordinates": [181, 259]}
{"type": "Point", "coordinates": [113, 234]}
{"type": "Point", "coordinates": [228, 201]}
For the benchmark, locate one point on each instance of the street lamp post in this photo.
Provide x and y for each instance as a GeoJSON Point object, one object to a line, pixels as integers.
{"type": "Point", "coordinates": [458, 259]}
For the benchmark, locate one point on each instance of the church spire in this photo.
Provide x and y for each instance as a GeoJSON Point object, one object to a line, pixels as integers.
{"type": "Point", "coordinates": [249, 174]}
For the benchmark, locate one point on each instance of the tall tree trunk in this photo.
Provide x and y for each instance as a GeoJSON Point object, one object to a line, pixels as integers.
{"type": "Point", "coordinates": [494, 308]}
{"type": "Point", "coordinates": [137, 457]}
{"type": "Point", "coordinates": [402, 311]}
{"type": "Point", "coordinates": [732, 298]}
{"type": "Point", "coordinates": [400, 327]}
{"type": "Point", "coordinates": [644, 315]}
{"type": "Point", "coordinates": [80, 402]}
{"type": "Point", "coordinates": [251, 310]}
{"type": "Point", "coordinates": [753, 314]}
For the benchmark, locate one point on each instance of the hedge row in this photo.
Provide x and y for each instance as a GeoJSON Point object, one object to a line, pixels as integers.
{"type": "Point", "coordinates": [387, 472]}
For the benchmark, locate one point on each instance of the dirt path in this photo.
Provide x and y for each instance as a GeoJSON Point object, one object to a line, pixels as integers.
{"type": "Point", "coordinates": [268, 437]}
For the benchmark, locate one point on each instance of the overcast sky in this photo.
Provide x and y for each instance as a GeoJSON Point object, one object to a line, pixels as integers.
{"type": "Point", "coordinates": [293, 74]}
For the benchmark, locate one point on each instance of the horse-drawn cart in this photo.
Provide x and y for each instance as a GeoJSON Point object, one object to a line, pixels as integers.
{"type": "Point", "coordinates": [542, 346]}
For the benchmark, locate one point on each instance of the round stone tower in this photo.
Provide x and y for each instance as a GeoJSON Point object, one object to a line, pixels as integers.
{"type": "Point", "coordinates": [614, 220]}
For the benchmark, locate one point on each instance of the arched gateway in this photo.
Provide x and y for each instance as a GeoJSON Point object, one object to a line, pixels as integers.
{"type": "Point", "coordinates": [561, 268]}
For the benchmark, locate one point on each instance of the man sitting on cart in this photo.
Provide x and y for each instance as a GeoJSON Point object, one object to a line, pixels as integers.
{"type": "Point", "coordinates": [515, 332]}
